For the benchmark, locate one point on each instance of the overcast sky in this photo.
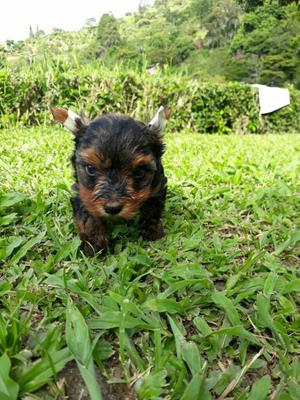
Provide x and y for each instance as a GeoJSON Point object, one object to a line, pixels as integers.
{"type": "Point", "coordinates": [17, 15]}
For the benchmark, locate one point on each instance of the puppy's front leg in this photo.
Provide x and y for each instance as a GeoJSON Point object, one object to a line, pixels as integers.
{"type": "Point", "coordinates": [151, 227]}
{"type": "Point", "coordinates": [92, 231]}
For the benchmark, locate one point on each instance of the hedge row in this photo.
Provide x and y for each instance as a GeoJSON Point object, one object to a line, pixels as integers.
{"type": "Point", "coordinates": [205, 108]}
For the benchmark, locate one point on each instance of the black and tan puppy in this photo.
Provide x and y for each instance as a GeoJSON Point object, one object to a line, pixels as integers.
{"type": "Point", "coordinates": [118, 173]}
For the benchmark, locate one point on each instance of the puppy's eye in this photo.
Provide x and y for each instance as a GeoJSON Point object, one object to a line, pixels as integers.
{"type": "Point", "coordinates": [140, 172]}
{"type": "Point", "coordinates": [90, 170]}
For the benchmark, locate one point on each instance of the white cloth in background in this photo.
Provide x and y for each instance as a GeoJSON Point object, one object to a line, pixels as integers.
{"type": "Point", "coordinates": [272, 98]}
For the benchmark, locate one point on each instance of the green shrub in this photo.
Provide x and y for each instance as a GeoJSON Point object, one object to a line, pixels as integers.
{"type": "Point", "coordinates": [25, 97]}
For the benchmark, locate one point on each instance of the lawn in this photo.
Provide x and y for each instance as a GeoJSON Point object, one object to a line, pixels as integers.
{"type": "Point", "coordinates": [211, 311]}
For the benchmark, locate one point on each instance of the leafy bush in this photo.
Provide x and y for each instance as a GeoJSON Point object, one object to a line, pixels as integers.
{"type": "Point", "coordinates": [25, 98]}
{"type": "Point", "coordinates": [270, 35]}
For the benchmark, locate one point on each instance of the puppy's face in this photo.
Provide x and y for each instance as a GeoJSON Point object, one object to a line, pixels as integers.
{"type": "Point", "coordinates": [117, 163]}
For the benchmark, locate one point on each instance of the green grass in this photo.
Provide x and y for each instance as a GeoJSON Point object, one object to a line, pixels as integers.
{"type": "Point", "coordinates": [209, 311]}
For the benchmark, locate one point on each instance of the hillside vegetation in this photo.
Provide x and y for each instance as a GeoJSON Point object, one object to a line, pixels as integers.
{"type": "Point", "coordinates": [245, 40]}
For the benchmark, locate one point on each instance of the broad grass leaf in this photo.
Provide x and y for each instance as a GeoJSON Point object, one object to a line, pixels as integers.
{"type": "Point", "coordinates": [163, 305]}
{"type": "Point", "coordinates": [263, 310]}
{"type": "Point", "coordinates": [102, 351]}
{"type": "Point", "coordinates": [206, 331]}
{"type": "Point", "coordinates": [112, 319]}
{"type": "Point", "coordinates": [134, 355]}
{"type": "Point", "coordinates": [10, 199]}
{"type": "Point", "coordinates": [8, 219]}
{"type": "Point", "coordinates": [77, 335]}
{"type": "Point", "coordinates": [26, 247]}
{"type": "Point", "coordinates": [238, 331]}
{"type": "Point", "coordinates": [9, 389]}
{"type": "Point", "coordinates": [270, 283]}
{"type": "Point", "coordinates": [79, 344]}
{"type": "Point", "coordinates": [187, 350]}
{"type": "Point", "coordinates": [296, 370]}
{"type": "Point", "coordinates": [231, 312]}
{"type": "Point", "coordinates": [232, 281]}
{"type": "Point", "coordinates": [265, 320]}
{"type": "Point", "coordinates": [67, 249]}
{"type": "Point", "coordinates": [89, 377]}
{"type": "Point", "coordinates": [191, 355]}
{"type": "Point", "coordinates": [39, 373]}
{"type": "Point", "coordinates": [151, 386]}
{"type": "Point", "coordinates": [294, 390]}
{"type": "Point", "coordinates": [293, 286]}
{"type": "Point", "coordinates": [202, 326]}
{"type": "Point", "coordinates": [293, 239]}
{"type": "Point", "coordinates": [10, 245]}
{"type": "Point", "coordinates": [178, 336]}
{"type": "Point", "coordinates": [196, 389]}
{"type": "Point", "coordinates": [260, 389]}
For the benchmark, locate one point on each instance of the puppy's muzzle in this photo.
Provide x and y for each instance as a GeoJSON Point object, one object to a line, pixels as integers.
{"type": "Point", "coordinates": [113, 209]}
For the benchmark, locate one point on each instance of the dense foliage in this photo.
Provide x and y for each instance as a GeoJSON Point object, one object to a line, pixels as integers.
{"type": "Point", "coordinates": [25, 98]}
{"type": "Point", "coordinates": [243, 40]}
{"type": "Point", "coordinates": [266, 47]}
{"type": "Point", "coordinates": [196, 49]}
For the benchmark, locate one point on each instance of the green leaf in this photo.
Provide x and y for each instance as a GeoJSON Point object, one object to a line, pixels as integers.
{"type": "Point", "coordinates": [79, 344]}
{"type": "Point", "coordinates": [89, 377]}
{"type": "Point", "coordinates": [263, 310]}
{"type": "Point", "coordinates": [77, 335]}
{"type": "Point", "coordinates": [11, 244]}
{"type": "Point", "coordinates": [293, 286]}
{"type": "Point", "coordinates": [196, 389]}
{"type": "Point", "coordinates": [112, 319]}
{"type": "Point", "coordinates": [222, 301]}
{"type": "Point", "coordinates": [38, 374]}
{"type": "Point", "coordinates": [8, 219]}
{"type": "Point", "coordinates": [293, 239]}
{"type": "Point", "coordinates": [260, 388]}
{"type": "Point", "coordinates": [26, 247]}
{"type": "Point", "coordinates": [102, 351]}
{"type": "Point", "coordinates": [134, 355]}
{"type": "Point", "coordinates": [191, 355]}
{"type": "Point", "coordinates": [163, 305]}
{"type": "Point", "coordinates": [238, 331]}
{"type": "Point", "coordinates": [294, 390]}
{"type": "Point", "coordinates": [151, 386]}
{"type": "Point", "coordinates": [178, 336]}
{"type": "Point", "coordinates": [202, 326]}
{"type": "Point", "coordinates": [9, 389]}
{"type": "Point", "coordinates": [270, 283]}
{"type": "Point", "coordinates": [10, 199]}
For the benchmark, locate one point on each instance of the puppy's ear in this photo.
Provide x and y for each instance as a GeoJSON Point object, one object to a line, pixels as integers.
{"type": "Point", "coordinates": [160, 119]}
{"type": "Point", "coordinates": [69, 119]}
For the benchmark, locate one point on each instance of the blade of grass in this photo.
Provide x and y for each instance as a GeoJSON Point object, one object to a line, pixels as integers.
{"type": "Point", "coordinates": [79, 344]}
{"type": "Point", "coordinates": [9, 389]}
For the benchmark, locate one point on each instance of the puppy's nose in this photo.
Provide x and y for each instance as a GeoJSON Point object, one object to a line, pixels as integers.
{"type": "Point", "coordinates": [113, 210]}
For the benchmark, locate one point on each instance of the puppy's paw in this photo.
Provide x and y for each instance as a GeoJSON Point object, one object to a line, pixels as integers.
{"type": "Point", "coordinates": [93, 246]}
{"type": "Point", "coordinates": [153, 231]}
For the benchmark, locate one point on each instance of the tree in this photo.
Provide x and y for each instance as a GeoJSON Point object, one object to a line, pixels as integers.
{"type": "Point", "coordinates": [57, 30]}
{"type": "Point", "coordinates": [9, 43]}
{"type": "Point", "coordinates": [250, 5]}
{"type": "Point", "coordinates": [108, 35]}
{"type": "Point", "coordinates": [270, 35]}
{"type": "Point", "coordinates": [2, 55]}
{"type": "Point", "coordinates": [90, 22]}
{"type": "Point", "coordinates": [31, 34]}
{"type": "Point", "coordinates": [222, 23]}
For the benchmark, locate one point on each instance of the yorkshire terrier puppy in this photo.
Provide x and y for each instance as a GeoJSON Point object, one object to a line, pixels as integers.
{"type": "Point", "coordinates": [118, 173]}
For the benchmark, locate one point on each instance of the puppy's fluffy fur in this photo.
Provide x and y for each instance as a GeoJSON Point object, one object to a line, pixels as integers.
{"type": "Point", "coordinates": [118, 174]}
